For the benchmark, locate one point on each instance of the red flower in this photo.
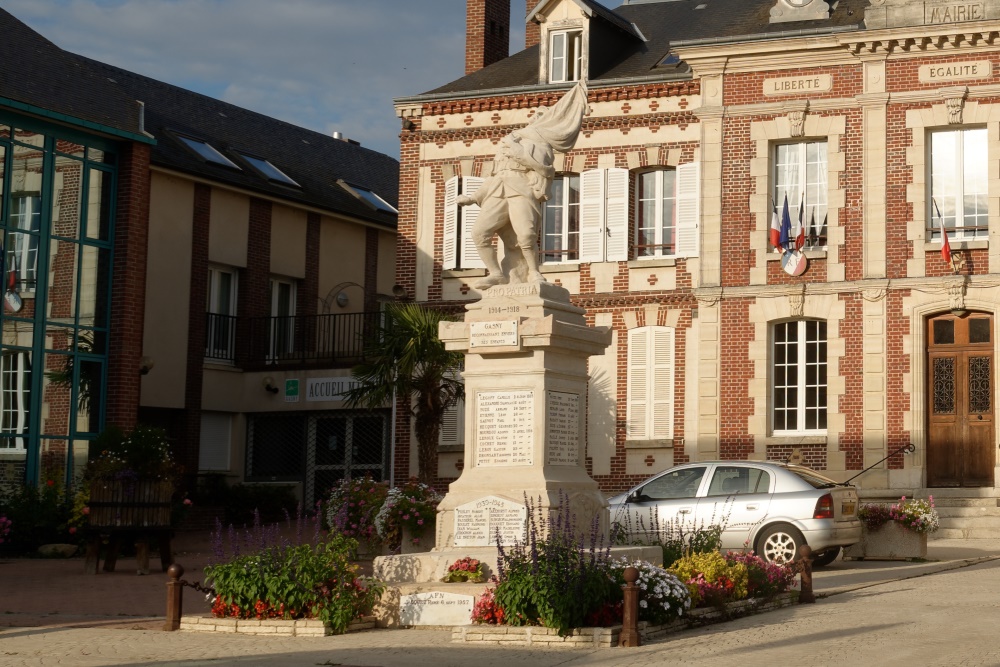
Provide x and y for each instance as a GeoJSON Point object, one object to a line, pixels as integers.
{"type": "Point", "coordinates": [50, 483]}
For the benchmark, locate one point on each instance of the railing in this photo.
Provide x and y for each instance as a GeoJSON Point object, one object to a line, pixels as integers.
{"type": "Point", "coordinates": [329, 339]}
{"type": "Point", "coordinates": [220, 337]}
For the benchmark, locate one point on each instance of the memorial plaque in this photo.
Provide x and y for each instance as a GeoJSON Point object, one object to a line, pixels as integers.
{"type": "Point", "coordinates": [794, 85]}
{"type": "Point", "coordinates": [504, 428]}
{"type": "Point", "coordinates": [501, 333]}
{"type": "Point", "coordinates": [435, 608]}
{"type": "Point", "coordinates": [477, 523]}
{"type": "Point", "coordinates": [562, 437]}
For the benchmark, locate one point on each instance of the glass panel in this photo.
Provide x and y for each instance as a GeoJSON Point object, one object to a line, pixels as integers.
{"type": "Point", "coordinates": [90, 396]}
{"type": "Point", "coordinates": [4, 132]}
{"type": "Point", "coordinates": [16, 331]}
{"type": "Point", "coordinates": [3, 169]}
{"type": "Point", "coordinates": [276, 447]}
{"type": "Point", "coordinates": [208, 152]}
{"type": "Point", "coordinates": [980, 399]}
{"type": "Point", "coordinates": [681, 483]}
{"type": "Point", "coordinates": [95, 269]}
{"type": "Point", "coordinates": [367, 441]}
{"type": "Point", "coordinates": [70, 148]}
{"type": "Point", "coordinates": [29, 137]}
{"type": "Point", "coordinates": [943, 372]}
{"type": "Point", "coordinates": [21, 267]}
{"type": "Point", "coordinates": [944, 332]}
{"type": "Point", "coordinates": [57, 385]}
{"type": "Point", "coordinates": [67, 197]}
{"type": "Point", "coordinates": [62, 289]}
{"type": "Point", "coordinates": [667, 204]}
{"type": "Point", "coordinates": [979, 330]}
{"type": "Point", "coordinates": [99, 205]}
{"type": "Point", "coordinates": [15, 398]}
{"type": "Point", "coordinates": [331, 441]}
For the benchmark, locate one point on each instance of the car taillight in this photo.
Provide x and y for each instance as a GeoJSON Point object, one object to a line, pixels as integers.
{"type": "Point", "coordinates": [824, 508]}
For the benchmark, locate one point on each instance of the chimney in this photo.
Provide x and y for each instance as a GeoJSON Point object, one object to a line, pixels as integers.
{"type": "Point", "coordinates": [487, 33]}
{"type": "Point", "coordinates": [532, 31]}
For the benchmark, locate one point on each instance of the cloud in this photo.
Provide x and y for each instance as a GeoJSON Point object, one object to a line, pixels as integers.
{"type": "Point", "coordinates": [322, 64]}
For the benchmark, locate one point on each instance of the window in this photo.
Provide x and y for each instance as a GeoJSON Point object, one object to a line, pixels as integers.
{"type": "Point", "coordinates": [682, 483]}
{"type": "Point", "coordinates": [799, 377]}
{"type": "Point", "coordinates": [216, 438]}
{"type": "Point", "coordinates": [604, 215]}
{"type": "Point", "coordinates": [734, 480]}
{"type": "Point", "coordinates": [666, 215]}
{"type": "Point", "coordinates": [565, 56]}
{"type": "Point", "coordinates": [561, 220]}
{"type": "Point", "coordinates": [269, 171]}
{"type": "Point", "coordinates": [207, 152]}
{"type": "Point", "coordinates": [15, 398]}
{"type": "Point", "coordinates": [459, 249]}
{"type": "Point", "coordinates": [220, 335]}
{"type": "Point", "coordinates": [800, 175]}
{"type": "Point", "coordinates": [959, 184]}
{"type": "Point", "coordinates": [452, 432]}
{"type": "Point", "coordinates": [369, 197]}
{"type": "Point", "coordinates": [282, 324]}
{"type": "Point", "coordinates": [650, 412]}
{"type": "Point", "coordinates": [22, 250]}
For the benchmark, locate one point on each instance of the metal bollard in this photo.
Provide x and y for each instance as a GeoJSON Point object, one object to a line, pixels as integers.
{"type": "Point", "coordinates": [175, 595]}
{"type": "Point", "coordinates": [804, 565]}
{"type": "Point", "coordinates": [630, 612]}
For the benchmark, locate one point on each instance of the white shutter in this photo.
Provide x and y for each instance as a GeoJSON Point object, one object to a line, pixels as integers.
{"type": "Point", "coordinates": [213, 448]}
{"type": "Point", "coordinates": [450, 241]}
{"type": "Point", "coordinates": [637, 384]}
{"type": "Point", "coordinates": [453, 425]}
{"type": "Point", "coordinates": [468, 215]}
{"type": "Point", "coordinates": [592, 216]}
{"type": "Point", "coordinates": [688, 209]}
{"type": "Point", "coordinates": [662, 367]}
{"type": "Point", "coordinates": [616, 215]}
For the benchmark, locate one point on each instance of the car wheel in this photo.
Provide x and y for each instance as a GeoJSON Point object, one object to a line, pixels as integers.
{"type": "Point", "coordinates": [826, 557]}
{"type": "Point", "coordinates": [779, 543]}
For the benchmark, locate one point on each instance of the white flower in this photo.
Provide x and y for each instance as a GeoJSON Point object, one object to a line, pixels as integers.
{"type": "Point", "coordinates": [643, 604]}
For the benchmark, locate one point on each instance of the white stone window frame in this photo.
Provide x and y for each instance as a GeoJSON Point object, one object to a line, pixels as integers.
{"type": "Point", "coordinates": [815, 200]}
{"type": "Point", "coordinates": [15, 397]}
{"type": "Point", "coordinates": [565, 56]}
{"type": "Point", "coordinates": [955, 202]}
{"type": "Point", "coordinates": [765, 135]}
{"type": "Point", "coordinates": [762, 314]}
{"type": "Point", "coordinates": [550, 28]}
{"type": "Point", "coordinates": [921, 122]}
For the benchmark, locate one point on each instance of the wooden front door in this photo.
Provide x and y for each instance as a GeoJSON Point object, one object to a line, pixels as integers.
{"type": "Point", "coordinates": [960, 447]}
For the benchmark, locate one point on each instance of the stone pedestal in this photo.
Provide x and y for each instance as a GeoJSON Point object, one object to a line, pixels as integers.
{"type": "Point", "coordinates": [525, 376]}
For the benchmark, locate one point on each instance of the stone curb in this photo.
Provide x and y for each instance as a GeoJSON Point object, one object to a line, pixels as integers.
{"type": "Point", "coordinates": [275, 627]}
{"type": "Point", "coordinates": [945, 566]}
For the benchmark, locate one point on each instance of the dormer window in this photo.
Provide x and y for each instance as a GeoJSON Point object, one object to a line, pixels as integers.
{"type": "Point", "coordinates": [207, 152]}
{"type": "Point", "coordinates": [565, 56]}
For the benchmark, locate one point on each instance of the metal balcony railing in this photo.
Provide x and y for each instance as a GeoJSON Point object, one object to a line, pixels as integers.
{"type": "Point", "coordinates": [220, 337]}
{"type": "Point", "coordinates": [337, 339]}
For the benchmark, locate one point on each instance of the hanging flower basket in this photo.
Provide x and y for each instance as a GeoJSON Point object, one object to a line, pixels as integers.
{"type": "Point", "coordinates": [130, 503]}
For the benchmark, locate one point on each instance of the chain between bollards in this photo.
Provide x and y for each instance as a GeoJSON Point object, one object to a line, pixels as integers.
{"type": "Point", "coordinates": [630, 610]}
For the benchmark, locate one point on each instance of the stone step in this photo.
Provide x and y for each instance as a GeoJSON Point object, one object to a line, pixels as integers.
{"type": "Point", "coordinates": [966, 502]}
{"type": "Point", "coordinates": [964, 522]}
{"type": "Point", "coordinates": [966, 533]}
{"type": "Point", "coordinates": [968, 511]}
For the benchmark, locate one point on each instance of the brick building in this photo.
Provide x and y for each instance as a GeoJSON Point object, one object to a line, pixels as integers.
{"type": "Point", "coordinates": [874, 123]}
{"type": "Point", "coordinates": [203, 268]}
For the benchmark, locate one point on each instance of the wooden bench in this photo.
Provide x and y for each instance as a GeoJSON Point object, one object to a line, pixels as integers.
{"type": "Point", "coordinates": [116, 537]}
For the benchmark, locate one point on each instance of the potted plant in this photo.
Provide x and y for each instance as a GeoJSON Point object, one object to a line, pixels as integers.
{"type": "Point", "coordinates": [897, 531]}
{"type": "Point", "coordinates": [351, 510]}
{"type": "Point", "coordinates": [407, 516]}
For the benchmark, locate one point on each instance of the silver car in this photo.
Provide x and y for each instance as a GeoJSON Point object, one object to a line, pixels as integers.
{"type": "Point", "coordinates": [772, 508]}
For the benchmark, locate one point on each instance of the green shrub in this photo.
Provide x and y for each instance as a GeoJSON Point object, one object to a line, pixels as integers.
{"type": "Point", "coordinates": [306, 581]}
{"type": "Point", "coordinates": [37, 515]}
{"type": "Point", "coordinates": [711, 579]}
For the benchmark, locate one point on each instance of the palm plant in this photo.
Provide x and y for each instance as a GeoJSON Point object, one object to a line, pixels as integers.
{"type": "Point", "coordinates": [405, 358]}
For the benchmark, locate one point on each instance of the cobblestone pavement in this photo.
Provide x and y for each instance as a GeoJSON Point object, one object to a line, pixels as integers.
{"type": "Point", "coordinates": [947, 618]}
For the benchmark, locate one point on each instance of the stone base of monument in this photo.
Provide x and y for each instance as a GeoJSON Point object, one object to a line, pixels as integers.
{"type": "Point", "coordinates": [416, 596]}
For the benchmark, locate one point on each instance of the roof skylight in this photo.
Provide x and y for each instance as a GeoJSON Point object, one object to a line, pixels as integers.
{"type": "Point", "coordinates": [207, 152]}
{"type": "Point", "coordinates": [269, 170]}
{"type": "Point", "coordinates": [370, 197]}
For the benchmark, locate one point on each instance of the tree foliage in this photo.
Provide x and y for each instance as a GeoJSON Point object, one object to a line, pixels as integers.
{"type": "Point", "coordinates": [405, 358]}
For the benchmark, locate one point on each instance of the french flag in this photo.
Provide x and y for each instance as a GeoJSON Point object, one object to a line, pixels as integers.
{"type": "Point", "coordinates": [775, 226]}
{"type": "Point", "coordinates": [945, 244]}
{"type": "Point", "coordinates": [785, 236]}
{"type": "Point", "coordinates": [800, 238]}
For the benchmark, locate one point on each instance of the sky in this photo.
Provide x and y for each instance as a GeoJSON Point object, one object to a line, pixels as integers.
{"type": "Point", "coordinates": [327, 65]}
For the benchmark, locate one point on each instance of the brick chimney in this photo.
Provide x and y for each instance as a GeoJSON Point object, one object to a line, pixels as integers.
{"type": "Point", "coordinates": [532, 31]}
{"type": "Point", "coordinates": [487, 33]}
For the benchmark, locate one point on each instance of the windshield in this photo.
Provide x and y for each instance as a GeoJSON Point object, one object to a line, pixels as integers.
{"type": "Point", "coordinates": [812, 477]}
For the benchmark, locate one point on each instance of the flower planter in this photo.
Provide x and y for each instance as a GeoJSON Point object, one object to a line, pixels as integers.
{"type": "Point", "coordinates": [892, 541]}
{"type": "Point", "coordinates": [142, 503]}
{"type": "Point", "coordinates": [425, 541]}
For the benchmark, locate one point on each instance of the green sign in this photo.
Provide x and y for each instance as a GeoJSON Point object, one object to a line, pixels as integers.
{"type": "Point", "coordinates": [291, 391]}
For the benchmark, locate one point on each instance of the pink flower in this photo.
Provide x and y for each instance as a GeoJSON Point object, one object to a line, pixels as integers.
{"type": "Point", "coordinates": [187, 501]}
{"type": "Point", "coordinates": [85, 510]}
{"type": "Point", "coordinates": [406, 517]}
{"type": "Point", "coordinates": [420, 522]}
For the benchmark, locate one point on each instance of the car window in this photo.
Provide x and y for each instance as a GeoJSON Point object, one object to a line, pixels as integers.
{"type": "Point", "coordinates": [812, 477]}
{"type": "Point", "coordinates": [681, 483]}
{"type": "Point", "coordinates": [734, 480]}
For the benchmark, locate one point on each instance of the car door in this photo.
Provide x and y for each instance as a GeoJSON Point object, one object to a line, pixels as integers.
{"type": "Point", "coordinates": [737, 498]}
{"type": "Point", "coordinates": [663, 502]}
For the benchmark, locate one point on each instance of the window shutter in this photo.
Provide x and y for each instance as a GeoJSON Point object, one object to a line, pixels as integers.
{"type": "Point", "coordinates": [638, 384]}
{"type": "Point", "coordinates": [468, 215]}
{"type": "Point", "coordinates": [616, 215]}
{"type": "Point", "coordinates": [592, 237]}
{"type": "Point", "coordinates": [453, 425]}
{"type": "Point", "coordinates": [688, 209]}
{"type": "Point", "coordinates": [662, 366]}
{"type": "Point", "coordinates": [450, 241]}
{"type": "Point", "coordinates": [213, 450]}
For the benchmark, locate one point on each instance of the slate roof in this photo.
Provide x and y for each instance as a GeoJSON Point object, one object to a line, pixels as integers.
{"type": "Point", "coordinates": [37, 73]}
{"type": "Point", "coordinates": [312, 159]}
{"type": "Point", "coordinates": [661, 22]}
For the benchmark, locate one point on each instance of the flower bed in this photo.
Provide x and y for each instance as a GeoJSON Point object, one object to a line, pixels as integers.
{"type": "Point", "coordinates": [895, 532]}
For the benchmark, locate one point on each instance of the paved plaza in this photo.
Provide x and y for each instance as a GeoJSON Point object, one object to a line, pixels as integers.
{"type": "Point", "coordinates": [941, 612]}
